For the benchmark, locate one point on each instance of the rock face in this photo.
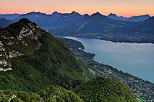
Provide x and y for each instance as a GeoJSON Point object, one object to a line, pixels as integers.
{"type": "Point", "coordinates": [105, 89]}
{"type": "Point", "coordinates": [13, 38]}
{"type": "Point", "coordinates": [32, 58]}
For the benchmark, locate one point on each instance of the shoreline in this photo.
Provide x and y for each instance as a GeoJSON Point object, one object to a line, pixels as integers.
{"type": "Point", "coordinates": [121, 64]}
{"type": "Point", "coordinates": [135, 42]}
{"type": "Point", "coordinates": [141, 88]}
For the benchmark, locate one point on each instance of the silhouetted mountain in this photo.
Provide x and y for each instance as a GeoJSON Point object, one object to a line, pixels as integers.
{"type": "Point", "coordinates": [74, 13]}
{"type": "Point", "coordinates": [138, 18]}
{"type": "Point", "coordinates": [37, 17]}
{"type": "Point", "coordinates": [65, 19]}
{"type": "Point", "coordinates": [4, 22]}
{"type": "Point", "coordinates": [97, 14]}
{"type": "Point", "coordinates": [56, 13]}
{"type": "Point", "coordinates": [111, 27]}
{"type": "Point", "coordinates": [9, 16]}
{"type": "Point", "coordinates": [131, 19]}
{"type": "Point", "coordinates": [114, 16]}
{"type": "Point", "coordinates": [52, 21]}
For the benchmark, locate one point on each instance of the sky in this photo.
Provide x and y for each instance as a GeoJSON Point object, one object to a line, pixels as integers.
{"type": "Point", "coordinates": [120, 7]}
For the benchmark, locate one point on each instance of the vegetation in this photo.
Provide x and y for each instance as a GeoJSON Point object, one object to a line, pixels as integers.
{"type": "Point", "coordinates": [44, 61]}
{"type": "Point", "coordinates": [50, 94]}
{"type": "Point", "coordinates": [139, 100]}
{"type": "Point", "coordinates": [58, 94]}
{"type": "Point", "coordinates": [38, 60]}
{"type": "Point", "coordinates": [75, 44]}
{"type": "Point", "coordinates": [105, 89]}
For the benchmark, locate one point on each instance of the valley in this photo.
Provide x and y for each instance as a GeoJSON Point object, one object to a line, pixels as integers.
{"type": "Point", "coordinates": [110, 27]}
{"type": "Point", "coordinates": [76, 50]}
{"type": "Point", "coordinates": [37, 67]}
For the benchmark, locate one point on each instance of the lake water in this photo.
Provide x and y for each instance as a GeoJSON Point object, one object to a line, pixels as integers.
{"type": "Point", "coordinates": [134, 58]}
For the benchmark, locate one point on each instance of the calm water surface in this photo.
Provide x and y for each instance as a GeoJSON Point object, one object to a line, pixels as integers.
{"type": "Point", "coordinates": [134, 58]}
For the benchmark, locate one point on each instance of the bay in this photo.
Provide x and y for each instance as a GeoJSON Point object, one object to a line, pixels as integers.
{"type": "Point", "coordinates": [134, 58]}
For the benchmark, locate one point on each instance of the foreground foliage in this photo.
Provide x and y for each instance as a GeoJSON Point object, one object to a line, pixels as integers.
{"type": "Point", "coordinates": [105, 89]}
{"type": "Point", "coordinates": [50, 94]}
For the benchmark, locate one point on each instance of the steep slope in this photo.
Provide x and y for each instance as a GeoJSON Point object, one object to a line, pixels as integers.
{"type": "Point", "coordinates": [31, 58]}
{"type": "Point", "coordinates": [105, 89]}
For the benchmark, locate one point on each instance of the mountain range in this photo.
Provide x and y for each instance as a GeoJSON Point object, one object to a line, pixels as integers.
{"type": "Point", "coordinates": [131, 19]}
{"type": "Point", "coordinates": [102, 27]}
{"type": "Point", "coordinates": [37, 67]}
{"type": "Point", "coordinates": [9, 16]}
{"type": "Point", "coordinates": [53, 20]}
{"type": "Point", "coordinates": [111, 27]}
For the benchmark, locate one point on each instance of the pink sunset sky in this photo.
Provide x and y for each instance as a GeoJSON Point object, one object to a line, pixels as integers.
{"type": "Point", "coordinates": [120, 7]}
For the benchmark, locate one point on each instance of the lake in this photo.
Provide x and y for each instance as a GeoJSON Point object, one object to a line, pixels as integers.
{"type": "Point", "coordinates": [134, 58]}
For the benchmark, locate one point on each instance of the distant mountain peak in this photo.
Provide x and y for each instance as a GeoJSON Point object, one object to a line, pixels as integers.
{"type": "Point", "coordinates": [86, 15]}
{"type": "Point", "coordinates": [55, 13]}
{"type": "Point", "coordinates": [74, 13]}
{"type": "Point", "coordinates": [146, 15]}
{"type": "Point", "coordinates": [97, 14]}
{"type": "Point", "coordinates": [35, 13]}
{"type": "Point", "coordinates": [139, 18]}
{"type": "Point", "coordinates": [112, 14]}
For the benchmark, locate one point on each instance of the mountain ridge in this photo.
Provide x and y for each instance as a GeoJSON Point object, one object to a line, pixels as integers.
{"type": "Point", "coordinates": [96, 25]}
{"type": "Point", "coordinates": [32, 59]}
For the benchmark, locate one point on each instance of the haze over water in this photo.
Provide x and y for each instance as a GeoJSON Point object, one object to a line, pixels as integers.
{"type": "Point", "coordinates": [134, 58]}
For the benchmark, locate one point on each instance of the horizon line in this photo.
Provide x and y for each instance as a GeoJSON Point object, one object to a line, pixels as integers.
{"type": "Point", "coordinates": [75, 11]}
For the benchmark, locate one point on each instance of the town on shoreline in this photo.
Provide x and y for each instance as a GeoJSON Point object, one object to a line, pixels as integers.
{"type": "Point", "coordinates": [140, 88]}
